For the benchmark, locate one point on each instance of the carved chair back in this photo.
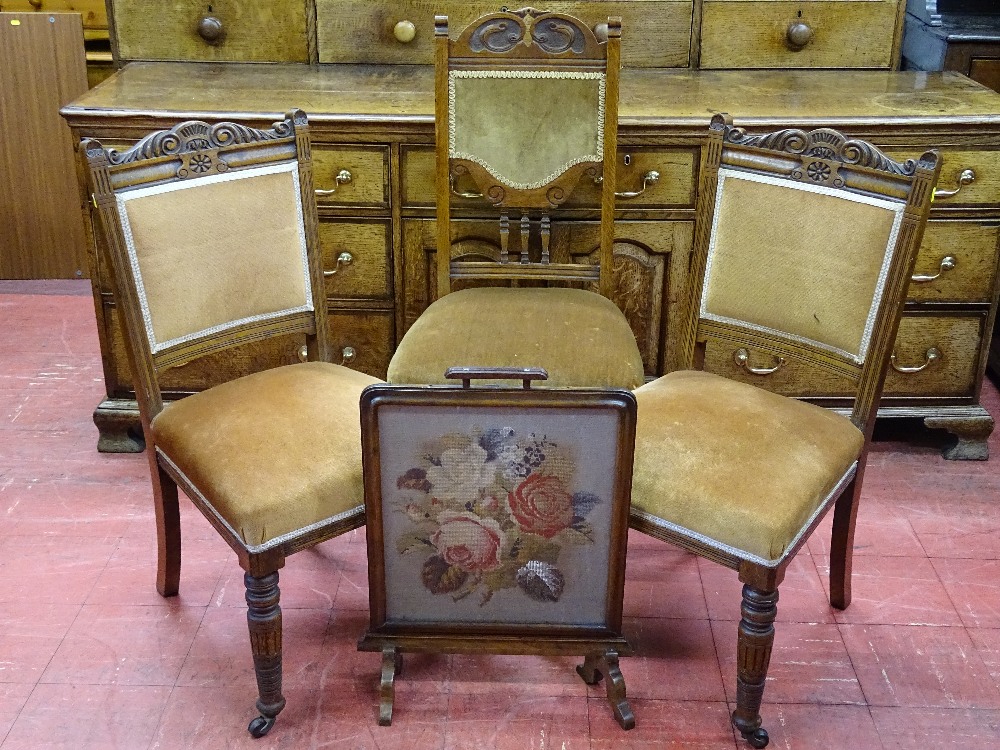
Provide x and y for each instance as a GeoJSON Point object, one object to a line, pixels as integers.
{"type": "Point", "coordinates": [805, 243]}
{"type": "Point", "coordinates": [526, 107]}
{"type": "Point", "coordinates": [211, 234]}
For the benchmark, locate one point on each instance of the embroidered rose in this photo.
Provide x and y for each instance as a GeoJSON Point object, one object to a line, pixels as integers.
{"type": "Point", "coordinates": [541, 505]}
{"type": "Point", "coordinates": [468, 541]}
{"type": "Point", "coordinates": [460, 475]}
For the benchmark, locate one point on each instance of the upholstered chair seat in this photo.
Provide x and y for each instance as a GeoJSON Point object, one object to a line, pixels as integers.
{"type": "Point", "coordinates": [273, 426]}
{"type": "Point", "coordinates": [581, 338]}
{"type": "Point", "coordinates": [735, 463]}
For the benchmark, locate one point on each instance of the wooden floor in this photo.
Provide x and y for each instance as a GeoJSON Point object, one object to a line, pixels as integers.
{"type": "Point", "coordinates": [92, 657]}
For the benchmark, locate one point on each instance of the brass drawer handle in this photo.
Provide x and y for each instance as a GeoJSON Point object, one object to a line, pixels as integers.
{"type": "Point", "coordinates": [798, 35]}
{"type": "Point", "coordinates": [931, 355]}
{"type": "Point", "coordinates": [303, 353]}
{"type": "Point", "coordinates": [966, 177]}
{"type": "Point", "coordinates": [404, 31]}
{"type": "Point", "coordinates": [210, 29]}
{"type": "Point", "coordinates": [343, 178]}
{"type": "Point", "coordinates": [742, 358]}
{"type": "Point", "coordinates": [947, 263]}
{"type": "Point", "coordinates": [650, 178]}
{"type": "Point", "coordinates": [348, 355]}
{"type": "Point", "coordinates": [344, 259]}
{"type": "Point", "coordinates": [460, 193]}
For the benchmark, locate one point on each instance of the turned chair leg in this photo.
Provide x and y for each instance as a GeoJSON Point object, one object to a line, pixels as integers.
{"type": "Point", "coordinates": [845, 514]}
{"type": "Point", "coordinates": [756, 637]}
{"type": "Point", "coordinates": [264, 619]}
{"type": "Point", "coordinates": [168, 531]}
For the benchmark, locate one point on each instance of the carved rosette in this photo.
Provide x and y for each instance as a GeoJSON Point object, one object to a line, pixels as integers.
{"type": "Point", "coordinates": [197, 143]}
{"type": "Point", "coordinates": [822, 151]}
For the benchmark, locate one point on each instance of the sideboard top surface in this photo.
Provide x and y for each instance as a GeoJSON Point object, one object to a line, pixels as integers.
{"type": "Point", "coordinates": [401, 96]}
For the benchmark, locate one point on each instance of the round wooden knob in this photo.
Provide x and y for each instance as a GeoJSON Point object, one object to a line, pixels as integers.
{"type": "Point", "coordinates": [799, 34]}
{"type": "Point", "coordinates": [404, 31]}
{"type": "Point", "coordinates": [210, 29]}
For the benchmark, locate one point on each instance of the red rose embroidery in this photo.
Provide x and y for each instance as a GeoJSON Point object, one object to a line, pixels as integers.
{"type": "Point", "coordinates": [468, 541]}
{"type": "Point", "coordinates": [541, 505]}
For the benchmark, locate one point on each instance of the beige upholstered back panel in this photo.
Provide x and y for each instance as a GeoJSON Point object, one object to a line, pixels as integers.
{"type": "Point", "coordinates": [795, 259]}
{"type": "Point", "coordinates": [526, 127]}
{"type": "Point", "coordinates": [239, 239]}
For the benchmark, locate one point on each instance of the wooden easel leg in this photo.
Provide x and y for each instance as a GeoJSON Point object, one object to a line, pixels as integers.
{"type": "Point", "coordinates": [596, 666]}
{"type": "Point", "coordinates": [392, 664]}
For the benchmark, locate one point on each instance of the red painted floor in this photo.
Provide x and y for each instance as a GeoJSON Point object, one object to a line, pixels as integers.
{"type": "Point", "coordinates": [92, 657]}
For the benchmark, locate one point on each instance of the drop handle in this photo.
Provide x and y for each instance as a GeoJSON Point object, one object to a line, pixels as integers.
{"type": "Point", "coordinates": [347, 355]}
{"type": "Point", "coordinates": [344, 259]}
{"type": "Point", "coordinates": [742, 358]}
{"type": "Point", "coordinates": [948, 262]}
{"type": "Point", "coordinates": [931, 355]}
{"type": "Point", "coordinates": [650, 178]}
{"type": "Point", "coordinates": [343, 177]}
{"type": "Point", "coordinates": [965, 177]}
{"type": "Point", "coordinates": [404, 31]}
{"type": "Point", "coordinates": [210, 29]}
{"type": "Point", "coordinates": [798, 35]}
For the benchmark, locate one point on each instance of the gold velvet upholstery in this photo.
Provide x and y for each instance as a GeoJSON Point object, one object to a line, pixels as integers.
{"type": "Point", "coordinates": [736, 464]}
{"type": "Point", "coordinates": [804, 244]}
{"type": "Point", "coordinates": [526, 130]}
{"type": "Point", "coordinates": [579, 337]}
{"type": "Point", "coordinates": [261, 449]}
{"type": "Point", "coordinates": [272, 275]}
{"type": "Point", "coordinates": [212, 235]}
{"type": "Point", "coordinates": [778, 239]}
{"type": "Point", "coordinates": [526, 109]}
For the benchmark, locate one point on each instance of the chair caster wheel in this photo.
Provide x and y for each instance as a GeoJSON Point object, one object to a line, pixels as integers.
{"type": "Point", "coordinates": [757, 738]}
{"type": "Point", "coordinates": [262, 725]}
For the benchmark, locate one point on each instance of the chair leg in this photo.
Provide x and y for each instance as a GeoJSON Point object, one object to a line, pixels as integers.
{"type": "Point", "coordinates": [845, 514]}
{"type": "Point", "coordinates": [756, 637]}
{"type": "Point", "coordinates": [264, 619]}
{"type": "Point", "coordinates": [168, 531]}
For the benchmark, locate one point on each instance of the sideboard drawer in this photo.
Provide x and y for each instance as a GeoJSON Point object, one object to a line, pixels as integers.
{"type": "Point", "coordinates": [810, 34]}
{"type": "Point", "coordinates": [655, 33]}
{"type": "Point", "coordinates": [362, 340]}
{"type": "Point", "coordinates": [356, 258]}
{"type": "Point", "coordinates": [351, 175]}
{"type": "Point", "coordinates": [957, 262]}
{"type": "Point", "coordinates": [935, 356]}
{"type": "Point", "coordinates": [223, 30]}
{"type": "Point", "coordinates": [673, 185]}
{"type": "Point", "coordinates": [967, 177]}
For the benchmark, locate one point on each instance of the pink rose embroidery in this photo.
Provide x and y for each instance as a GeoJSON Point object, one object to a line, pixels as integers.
{"type": "Point", "coordinates": [469, 542]}
{"type": "Point", "coordinates": [541, 505]}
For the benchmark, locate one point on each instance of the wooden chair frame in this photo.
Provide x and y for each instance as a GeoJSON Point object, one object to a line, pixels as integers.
{"type": "Point", "coordinates": [859, 168]}
{"type": "Point", "coordinates": [507, 40]}
{"type": "Point", "coordinates": [181, 153]}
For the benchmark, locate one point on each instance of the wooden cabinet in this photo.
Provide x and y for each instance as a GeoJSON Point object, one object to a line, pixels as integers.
{"type": "Point", "coordinates": [373, 130]}
{"type": "Point", "coordinates": [658, 33]}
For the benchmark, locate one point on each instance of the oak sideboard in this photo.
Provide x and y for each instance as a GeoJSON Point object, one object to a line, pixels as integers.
{"type": "Point", "coordinates": [373, 131]}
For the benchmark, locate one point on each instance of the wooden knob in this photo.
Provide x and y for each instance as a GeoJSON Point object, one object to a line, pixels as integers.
{"type": "Point", "coordinates": [799, 34]}
{"type": "Point", "coordinates": [210, 29]}
{"type": "Point", "coordinates": [404, 31]}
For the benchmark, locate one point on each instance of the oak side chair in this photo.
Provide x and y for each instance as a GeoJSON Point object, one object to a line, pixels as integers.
{"type": "Point", "coordinates": [804, 246]}
{"type": "Point", "coordinates": [526, 107]}
{"type": "Point", "coordinates": [211, 235]}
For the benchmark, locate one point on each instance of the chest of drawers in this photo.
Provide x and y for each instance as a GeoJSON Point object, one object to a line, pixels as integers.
{"type": "Point", "coordinates": [373, 129]}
